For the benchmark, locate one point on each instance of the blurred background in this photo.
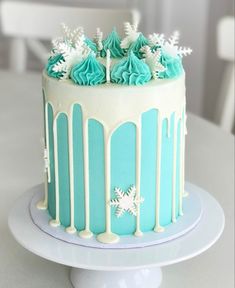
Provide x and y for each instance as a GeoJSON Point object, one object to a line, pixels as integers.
{"type": "Point", "coordinates": [204, 26]}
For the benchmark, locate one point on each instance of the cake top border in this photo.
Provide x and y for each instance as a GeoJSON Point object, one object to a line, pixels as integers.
{"type": "Point", "coordinates": [133, 60]}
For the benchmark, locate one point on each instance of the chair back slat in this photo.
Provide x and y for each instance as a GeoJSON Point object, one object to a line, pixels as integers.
{"type": "Point", "coordinates": [36, 20]}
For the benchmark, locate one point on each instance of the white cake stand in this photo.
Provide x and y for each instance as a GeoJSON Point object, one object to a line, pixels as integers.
{"type": "Point", "coordinates": [107, 268]}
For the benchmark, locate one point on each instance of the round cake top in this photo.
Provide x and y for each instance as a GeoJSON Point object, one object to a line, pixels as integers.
{"type": "Point", "coordinates": [133, 60]}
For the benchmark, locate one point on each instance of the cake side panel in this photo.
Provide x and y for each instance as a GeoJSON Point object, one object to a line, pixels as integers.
{"type": "Point", "coordinates": [123, 160]}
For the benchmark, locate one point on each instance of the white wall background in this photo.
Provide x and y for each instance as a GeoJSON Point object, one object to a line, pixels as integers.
{"type": "Point", "coordinates": [196, 19]}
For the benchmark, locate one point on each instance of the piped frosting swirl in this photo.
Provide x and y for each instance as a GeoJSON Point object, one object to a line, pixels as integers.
{"type": "Point", "coordinates": [131, 71]}
{"type": "Point", "coordinates": [50, 65]}
{"type": "Point", "coordinates": [112, 42]}
{"type": "Point", "coordinates": [138, 44]}
{"type": "Point", "coordinates": [88, 72]}
{"type": "Point", "coordinates": [173, 67]}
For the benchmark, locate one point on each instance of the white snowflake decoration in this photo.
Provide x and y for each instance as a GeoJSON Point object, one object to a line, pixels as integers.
{"type": "Point", "coordinates": [126, 201]}
{"type": "Point", "coordinates": [68, 36]}
{"type": "Point", "coordinates": [131, 35]}
{"type": "Point", "coordinates": [98, 39]}
{"type": "Point", "coordinates": [171, 45]}
{"type": "Point", "coordinates": [46, 160]}
{"type": "Point", "coordinates": [152, 59]}
{"type": "Point", "coordinates": [73, 49]}
{"type": "Point", "coordinates": [156, 39]}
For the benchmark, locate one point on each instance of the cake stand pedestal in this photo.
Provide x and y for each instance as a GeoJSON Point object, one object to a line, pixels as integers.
{"type": "Point", "coordinates": [118, 268]}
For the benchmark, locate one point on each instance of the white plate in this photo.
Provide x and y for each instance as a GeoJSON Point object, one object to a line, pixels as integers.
{"type": "Point", "coordinates": [146, 259]}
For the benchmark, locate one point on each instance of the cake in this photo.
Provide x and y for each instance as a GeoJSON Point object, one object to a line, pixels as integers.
{"type": "Point", "coordinates": [114, 113]}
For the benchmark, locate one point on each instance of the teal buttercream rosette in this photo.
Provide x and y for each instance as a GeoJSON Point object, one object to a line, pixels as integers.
{"type": "Point", "coordinates": [131, 71]}
{"type": "Point", "coordinates": [173, 66]}
{"type": "Point", "coordinates": [112, 42]}
{"type": "Point", "coordinates": [138, 44]}
{"type": "Point", "coordinates": [50, 65]}
{"type": "Point", "coordinates": [88, 72]}
{"type": "Point", "coordinates": [91, 44]}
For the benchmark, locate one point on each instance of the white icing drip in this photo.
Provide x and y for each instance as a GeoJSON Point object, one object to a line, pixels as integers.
{"type": "Point", "coordinates": [173, 218]}
{"type": "Point", "coordinates": [43, 204]}
{"type": "Point", "coordinates": [107, 236]}
{"type": "Point", "coordinates": [47, 172]}
{"type": "Point", "coordinates": [168, 127]}
{"type": "Point", "coordinates": [185, 193]}
{"type": "Point", "coordinates": [47, 143]}
{"type": "Point", "coordinates": [71, 229]}
{"type": "Point", "coordinates": [138, 174]}
{"type": "Point", "coordinates": [158, 227]}
{"type": "Point", "coordinates": [107, 180]}
{"type": "Point", "coordinates": [86, 233]}
{"type": "Point", "coordinates": [56, 222]}
{"type": "Point", "coordinates": [181, 168]}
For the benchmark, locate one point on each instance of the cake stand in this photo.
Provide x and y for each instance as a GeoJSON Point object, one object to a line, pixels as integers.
{"type": "Point", "coordinates": [118, 268]}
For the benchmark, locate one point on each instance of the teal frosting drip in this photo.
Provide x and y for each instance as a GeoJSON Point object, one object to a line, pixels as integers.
{"type": "Point", "coordinates": [91, 44]}
{"type": "Point", "coordinates": [112, 42]}
{"type": "Point", "coordinates": [173, 65]}
{"type": "Point", "coordinates": [89, 72]}
{"type": "Point", "coordinates": [131, 71]}
{"type": "Point", "coordinates": [138, 44]}
{"type": "Point", "coordinates": [51, 63]}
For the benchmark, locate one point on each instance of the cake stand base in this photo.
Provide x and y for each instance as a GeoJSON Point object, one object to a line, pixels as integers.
{"type": "Point", "coordinates": [118, 268]}
{"type": "Point", "coordinates": [144, 278]}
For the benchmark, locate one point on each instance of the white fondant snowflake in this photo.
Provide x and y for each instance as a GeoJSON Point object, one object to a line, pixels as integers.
{"type": "Point", "coordinates": [152, 59]}
{"type": "Point", "coordinates": [68, 36]}
{"type": "Point", "coordinates": [131, 35]}
{"type": "Point", "coordinates": [169, 46]}
{"type": "Point", "coordinates": [98, 39]}
{"type": "Point", "coordinates": [156, 39]}
{"type": "Point", "coordinates": [73, 51]}
{"type": "Point", "coordinates": [46, 160]}
{"type": "Point", "coordinates": [126, 201]}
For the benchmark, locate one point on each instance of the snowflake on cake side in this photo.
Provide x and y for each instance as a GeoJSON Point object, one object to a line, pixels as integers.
{"type": "Point", "coordinates": [126, 201]}
{"type": "Point", "coordinates": [73, 49]}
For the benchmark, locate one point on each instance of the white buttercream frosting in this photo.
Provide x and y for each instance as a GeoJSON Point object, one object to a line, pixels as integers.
{"type": "Point", "coordinates": [113, 104]}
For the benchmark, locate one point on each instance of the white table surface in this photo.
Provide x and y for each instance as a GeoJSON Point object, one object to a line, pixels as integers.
{"type": "Point", "coordinates": [209, 164]}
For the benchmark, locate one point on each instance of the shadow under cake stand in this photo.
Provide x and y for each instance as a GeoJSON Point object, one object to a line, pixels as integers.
{"type": "Point", "coordinates": [117, 268]}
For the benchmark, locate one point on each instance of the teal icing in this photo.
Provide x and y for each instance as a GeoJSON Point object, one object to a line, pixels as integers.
{"type": "Point", "coordinates": [122, 173]}
{"type": "Point", "coordinates": [173, 65]}
{"type": "Point", "coordinates": [138, 44]}
{"type": "Point", "coordinates": [112, 42]}
{"type": "Point", "coordinates": [50, 65]}
{"type": "Point", "coordinates": [89, 72]}
{"type": "Point", "coordinates": [131, 71]}
{"type": "Point", "coordinates": [91, 44]}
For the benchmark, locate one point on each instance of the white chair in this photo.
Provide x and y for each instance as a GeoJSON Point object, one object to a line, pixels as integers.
{"type": "Point", "coordinates": [225, 113]}
{"type": "Point", "coordinates": [27, 23]}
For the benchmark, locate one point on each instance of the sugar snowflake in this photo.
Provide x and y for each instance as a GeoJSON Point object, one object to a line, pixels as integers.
{"type": "Point", "coordinates": [69, 36]}
{"type": "Point", "coordinates": [73, 49]}
{"type": "Point", "coordinates": [170, 46]}
{"type": "Point", "coordinates": [156, 39]}
{"type": "Point", "coordinates": [152, 59]}
{"type": "Point", "coordinates": [126, 201]}
{"type": "Point", "coordinates": [98, 39]}
{"type": "Point", "coordinates": [131, 35]}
